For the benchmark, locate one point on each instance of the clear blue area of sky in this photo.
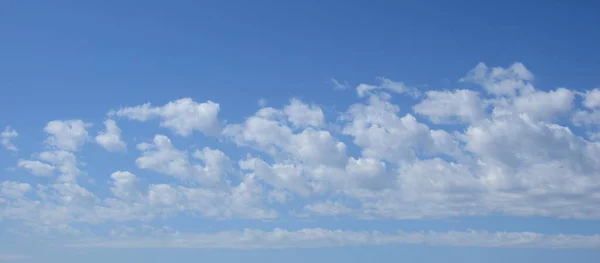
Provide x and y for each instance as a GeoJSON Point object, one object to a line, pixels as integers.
{"type": "Point", "coordinates": [78, 59]}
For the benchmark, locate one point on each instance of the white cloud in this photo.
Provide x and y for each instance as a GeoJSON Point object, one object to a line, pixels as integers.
{"type": "Point", "coordinates": [183, 116]}
{"type": "Point", "coordinates": [13, 189]}
{"type": "Point", "coordinates": [386, 84]}
{"type": "Point", "coordinates": [111, 138]}
{"type": "Point", "coordinates": [590, 118]}
{"type": "Point", "coordinates": [586, 118]}
{"type": "Point", "coordinates": [319, 237]}
{"type": "Point", "coordinates": [500, 81]}
{"type": "Point", "coordinates": [338, 85]}
{"type": "Point", "coordinates": [451, 106]}
{"type": "Point", "coordinates": [161, 156]}
{"type": "Point", "coordinates": [216, 164]}
{"type": "Point", "coordinates": [124, 185]}
{"type": "Point", "coordinates": [592, 99]}
{"type": "Point", "coordinates": [163, 195]}
{"type": "Point", "coordinates": [376, 127]}
{"type": "Point", "coordinates": [508, 152]}
{"type": "Point", "coordinates": [6, 137]}
{"type": "Point", "coordinates": [279, 196]}
{"type": "Point", "coordinates": [36, 167]}
{"type": "Point", "coordinates": [67, 135]}
{"type": "Point", "coordinates": [301, 114]}
{"type": "Point", "coordinates": [546, 105]}
{"type": "Point", "coordinates": [330, 208]}
{"type": "Point", "coordinates": [63, 161]}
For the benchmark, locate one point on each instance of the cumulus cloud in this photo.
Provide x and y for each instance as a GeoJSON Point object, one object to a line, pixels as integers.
{"type": "Point", "coordinates": [589, 117]}
{"type": "Point", "coordinates": [36, 167]}
{"type": "Point", "coordinates": [65, 163]}
{"type": "Point", "coordinates": [161, 156]}
{"type": "Point", "coordinates": [546, 105]}
{"type": "Point", "coordinates": [462, 106]}
{"type": "Point", "coordinates": [510, 81]}
{"type": "Point", "coordinates": [592, 99]}
{"type": "Point", "coordinates": [124, 185]}
{"type": "Point", "coordinates": [183, 116]}
{"type": "Point", "coordinates": [49, 162]}
{"type": "Point", "coordinates": [67, 135]}
{"type": "Point", "coordinates": [506, 149]}
{"type": "Point", "coordinates": [300, 114]}
{"type": "Point", "coordinates": [6, 138]}
{"type": "Point", "coordinates": [111, 138]}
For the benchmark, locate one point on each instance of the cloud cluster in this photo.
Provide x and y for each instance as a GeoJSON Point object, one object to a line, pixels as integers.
{"type": "Point", "coordinates": [504, 148]}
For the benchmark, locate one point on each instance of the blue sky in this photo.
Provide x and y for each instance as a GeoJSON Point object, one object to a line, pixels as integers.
{"type": "Point", "coordinates": [267, 131]}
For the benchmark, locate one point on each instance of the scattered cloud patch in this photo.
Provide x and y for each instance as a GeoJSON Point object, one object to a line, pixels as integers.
{"type": "Point", "coordinates": [6, 138]}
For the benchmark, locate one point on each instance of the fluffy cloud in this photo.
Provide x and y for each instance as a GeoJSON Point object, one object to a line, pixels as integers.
{"type": "Point", "coordinates": [545, 105]}
{"type": "Point", "coordinates": [6, 136]}
{"type": "Point", "coordinates": [64, 139]}
{"type": "Point", "coordinates": [14, 190]}
{"type": "Point", "coordinates": [64, 162]}
{"type": "Point", "coordinates": [67, 135]}
{"type": "Point", "coordinates": [124, 185]}
{"type": "Point", "coordinates": [445, 106]}
{"type": "Point", "coordinates": [111, 138]}
{"type": "Point", "coordinates": [161, 156]}
{"type": "Point", "coordinates": [36, 167]}
{"type": "Point", "coordinates": [590, 117]}
{"type": "Point", "coordinates": [510, 81]}
{"type": "Point", "coordinates": [49, 162]}
{"type": "Point", "coordinates": [507, 149]}
{"type": "Point", "coordinates": [182, 116]}
{"type": "Point", "coordinates": [300, 114]}
{"type": "Point", "coordinates": [592, 99]}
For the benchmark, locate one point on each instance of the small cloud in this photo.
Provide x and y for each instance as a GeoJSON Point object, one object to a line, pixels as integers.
{"type": "Point", "coordinates": [262, 102]}
{"type": "Point", "coordinates": [338, 85]}
{"type": "Point", "coordinates": [6, 137]}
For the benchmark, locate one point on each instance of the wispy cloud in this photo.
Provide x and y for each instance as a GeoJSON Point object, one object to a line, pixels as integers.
{"type": "Point", "coordinates": [341, 85]}
{"type": "Point", "coordinates": [13, 257]}
{"type": "Point", "coordinates": [318, 237]}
